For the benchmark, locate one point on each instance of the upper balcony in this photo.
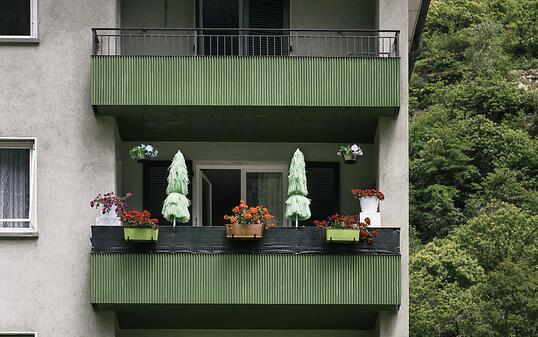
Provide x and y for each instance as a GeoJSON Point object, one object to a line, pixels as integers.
{"type": "Point", "coordinates": [200, 82]}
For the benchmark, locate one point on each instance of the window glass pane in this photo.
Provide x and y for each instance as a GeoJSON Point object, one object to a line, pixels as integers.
{"type": "Point", "coordinates": [14, 17]}
{"type": "Point", "coordinates": [265, 188]}
{"type": "Point", "coordinates": [14, 186]}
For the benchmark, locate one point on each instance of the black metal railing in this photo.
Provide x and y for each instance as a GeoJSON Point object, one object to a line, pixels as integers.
{"type": "Point", "coordinates": [245, 42]}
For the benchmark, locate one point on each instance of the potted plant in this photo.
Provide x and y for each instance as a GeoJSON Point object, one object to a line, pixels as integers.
{"type": "Point", "coordinates": [140, 227]}
{"type": "Point", "coordinates": [143, 153]}
{"type": "Point", "coordinates": [350, 153]}
{"type": "Point", "coordinates": [346, 229]}
{"type": "Point", "coordinates": [247, 223]}
{"type": "Point", "coordinates": [110, 205]}
{"type": "Point", "coordinates": [369, 199]}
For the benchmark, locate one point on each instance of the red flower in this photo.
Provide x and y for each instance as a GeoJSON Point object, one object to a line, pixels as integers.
{"type": "Point", "coordinates": [367, 220]}
{"type": "Point", "coordinates": [374, 233]}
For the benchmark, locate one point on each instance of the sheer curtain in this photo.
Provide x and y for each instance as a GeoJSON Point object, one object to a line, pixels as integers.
{"type": "Point", "coordinates": [14, 187]}
{"type": "Point", "coordinates": [265, 188]}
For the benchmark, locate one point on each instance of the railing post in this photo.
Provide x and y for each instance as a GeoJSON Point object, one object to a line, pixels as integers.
{"type": "Point", "coordinates": [94, 41]}
{"type": "Point", "coordinates": [397, 43]}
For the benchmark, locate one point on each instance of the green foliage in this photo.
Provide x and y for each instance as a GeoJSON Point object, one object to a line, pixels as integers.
{"type": "Point", "coordinates": [474, 171]}
{"type": "Point", "coordinates": [502, 231]}
{"type": "Point", "coordinates": [508, 301]}
{"type": "Point", "coordinates": [441, 279]}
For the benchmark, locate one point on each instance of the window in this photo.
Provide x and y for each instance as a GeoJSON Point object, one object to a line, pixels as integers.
{"type": "Point", "coordinates": [17, 187]}
{"type": "Point", "coordinates": [18, 20]}
{"type": "Point", "coordinates": [219, 187]}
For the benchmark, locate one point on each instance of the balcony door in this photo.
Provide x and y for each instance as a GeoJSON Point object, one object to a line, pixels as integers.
{"type": "Point", "coordinates": [263, 14]}
{"type": "Point", "coordinates": [218, 187]}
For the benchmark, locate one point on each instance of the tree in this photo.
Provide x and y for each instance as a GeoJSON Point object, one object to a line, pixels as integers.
{"type": "Point", "coordinates": [508, 301]}
{"type": "Point", "coordinates": [501, 231]}
{"type": "Point", "coordinates": [297, 205]}
{"type": "Point", "coordinates": [442, 277]}
{"type": "Point", "coordinates": [176, 204]}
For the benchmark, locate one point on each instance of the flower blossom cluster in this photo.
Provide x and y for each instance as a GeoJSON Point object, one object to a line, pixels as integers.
{"type": "Point", "coordinates": [243, 214]}
{"type": "Point", "coordinates": [357, 193]}
{"type": "Point", "coordinates": [349, 221]}
{"type": "Point", "coordinates": [110, 199]}
{"type": "Point", "coordinates": [143, 151]}
{"type": "Point", "coordinates": [139, 219]}
{"type": "Point", "coordinates": [349, 151]}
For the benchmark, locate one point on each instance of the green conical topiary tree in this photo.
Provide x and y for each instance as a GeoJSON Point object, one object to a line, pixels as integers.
{"type": "Point", "coordinates": [297, 205]}
{"type": "Point", "coordinates": [176, 204]}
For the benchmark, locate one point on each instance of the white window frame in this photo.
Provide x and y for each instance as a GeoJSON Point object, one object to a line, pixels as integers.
{"type": "Point", "coordinates": [23, 143]}
{"type": "Point", "coordinates": [33, 28]}
{"type": "Point", "coordinates": [245, 167]}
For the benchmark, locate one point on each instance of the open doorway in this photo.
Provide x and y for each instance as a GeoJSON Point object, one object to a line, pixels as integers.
{"type": "Point", "coordinates": [219, 188]}
{"type": "Point", "coordinates": [220, 192]}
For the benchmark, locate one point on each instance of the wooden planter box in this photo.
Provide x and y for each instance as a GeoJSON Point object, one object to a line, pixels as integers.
{"type": "Point", "coordinates": [342, 235]}
{"type": "Point", "coordinates": [140, 234]}
{"type": "Point", "coordinates": [244, 232]}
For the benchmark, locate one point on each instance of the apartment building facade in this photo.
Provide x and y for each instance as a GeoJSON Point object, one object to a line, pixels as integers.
{"type": "Point", "coordinates": [237, 86]}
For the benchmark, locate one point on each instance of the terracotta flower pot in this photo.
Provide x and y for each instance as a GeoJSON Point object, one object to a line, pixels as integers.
{"type": "Point", "coordinates": [244, 231]}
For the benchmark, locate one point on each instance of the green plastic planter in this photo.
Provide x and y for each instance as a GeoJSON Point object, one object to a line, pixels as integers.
{"type": "Point", "coordinates": [140, 234]}
{"type": "Point", "coordinates": [342, 235]}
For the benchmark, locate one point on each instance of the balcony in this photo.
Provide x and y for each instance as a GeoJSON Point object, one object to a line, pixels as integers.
{"type": "Point", "coordinates": [200, 82]}
{"type": "Point", "coordinates": [292, 274]}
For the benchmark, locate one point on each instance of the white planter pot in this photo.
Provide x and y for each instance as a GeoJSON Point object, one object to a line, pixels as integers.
{"type": "Point", "coordinates": [369, 204]}
{"type": "Point", "coordinates": [110, 218]}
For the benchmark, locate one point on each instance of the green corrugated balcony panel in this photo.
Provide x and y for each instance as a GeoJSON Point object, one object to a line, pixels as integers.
{"type": "Point", "coordinates": [245, 81]}
{"type": "Point", "coordinates": [159, 97]}
{"type": "Point", "coordinates": [245, 279]}
{"type": "Point", "coordinates": [194, 277]}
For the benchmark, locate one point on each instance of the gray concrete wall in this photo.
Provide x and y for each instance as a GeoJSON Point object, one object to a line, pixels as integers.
{"type": "Point", "coordinates": [393, 167]}
{"type": "Point", "coordinates": [157, 14]}
{"type": "Point", "coordinates": [335, 14]}
{"type": "Point", "coordinates": [360, 175]}
{"type": "Point", "coordinates": [154, 13]}
{"type": "Point", "coordinates": [45, 93]}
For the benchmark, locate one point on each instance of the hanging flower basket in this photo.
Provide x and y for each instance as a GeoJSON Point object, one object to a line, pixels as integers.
{"type": "Point", "coordinates": [247, 223]}
{"type": "Point", "coordinates": [244, 231]}
{"type": "Point", "coordinates": [137, 234]}
{"type": "Point", "coordinates": [350, 153]}
{"type": "Point", "coordinates": [143, 153]}
{"type": "Point", "coordinates": [350, 159]}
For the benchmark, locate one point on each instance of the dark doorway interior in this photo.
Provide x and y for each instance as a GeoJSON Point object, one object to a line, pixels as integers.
{"type": "Point", "coordinates": [225, 193]}
{"type": "Point", "coordinates": [220, 14]}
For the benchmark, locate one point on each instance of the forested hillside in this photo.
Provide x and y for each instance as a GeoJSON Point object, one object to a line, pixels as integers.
{"type": "Point", "coordinates": [474, 171]}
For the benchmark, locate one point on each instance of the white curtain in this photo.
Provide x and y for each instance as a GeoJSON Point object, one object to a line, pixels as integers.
{"type": "Point", "coordinates": [265, 188]}
{"type": "Point", "coordinates": [14, 187]}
